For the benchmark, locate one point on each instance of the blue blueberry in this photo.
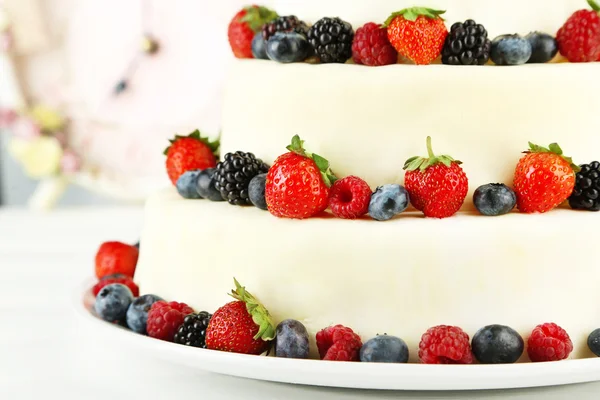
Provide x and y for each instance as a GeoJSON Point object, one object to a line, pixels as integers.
{"type": "Point", "coordinates": [113, 301]}
{"type": "Point", "coordinates": [187, 183]}
{"type": "Point", "coordinates": [594, 342]}
{"type": "Point", "coordinates": [291, 340]}
{"type": "Point", "coordinates": [259, 47]}
{"type": "Point", "coordinates": [510, 50]}
{"type": "Point", "coordinates": [543, 47]}
{"type": "Point", "coordinates": [137, 313]}
{"type": "Point", "coordinates": [205, 186]}
{"type": "Point", "coordinates": [497, 344]}
{"type": "Point", "coordinates": [494, 199]}
{"type": "Point", "coordinates": [384, 349]}
{"type": "Point", "coordinates": [388, 201]}
{"type": "Point", "coordinates": [288, 47]}
{"type": "Point", "coordinates": [256, 191]}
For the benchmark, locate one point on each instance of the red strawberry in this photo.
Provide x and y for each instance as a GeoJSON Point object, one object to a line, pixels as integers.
{"type": "Point", "coordinates": [298, 183]}
{"type": "Point", "coordinates": [116, 258]}
{"type": "Point", "coordinates": [242, 326]}
{"type": "Point", "coordinates": [244, 25]}
{"type": "Point", "coordinates": [579, 38]}
{"type": "Point", "coordinates": [544, 179]}
{"type": "Point", "coordinates": [437, 185]}
{"type": "Point", "coordinates": [188, 153]}
{"type": "Point", "coordinates": [417, 33]}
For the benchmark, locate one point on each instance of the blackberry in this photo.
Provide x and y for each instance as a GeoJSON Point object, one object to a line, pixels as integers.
{"type": "Point", "coordinates": [193, 330]}
{"type": "Point", "coordinates": [467, 44]}
{"type": "Point", "coordinates": [331, 39]}
{"type": "Point", "coordinates": [586, 195]}
{"type": "Point", "coordinates": [284, 24]}
{"type": "Point", "coordinates": [233, 175]}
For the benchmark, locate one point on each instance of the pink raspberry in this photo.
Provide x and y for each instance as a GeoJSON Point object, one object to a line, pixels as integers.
{"type": "Point", "coordinates": [338, 343]}
{"type": "Point", "coordinates": [445, 345]}
{"type": "Point", "coordinates": [349, 198]}
{"type": "Point", "coordinates": [549, 342]}
{"type": "Point", "coordinates": [164, 319]}
{"type": "Point", "coordinates": [372, 47]}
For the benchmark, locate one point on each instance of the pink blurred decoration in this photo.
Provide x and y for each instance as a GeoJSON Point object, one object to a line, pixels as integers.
{"type": "Point", "coordinates": [6, 41]}
{"type": "Point", "coordinates": [7, 117]}
{"type": "Point", "coordinates": [25, 128]}
{"type": "Point", "coordinates": [70, 163]}
{"type": "Point", "coordinates": [62, 138]}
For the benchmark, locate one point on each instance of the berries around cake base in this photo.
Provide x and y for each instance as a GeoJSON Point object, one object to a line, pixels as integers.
{"type": "Point", "coordinates": [338, 343]}
{"type": "Point", "coordinates": [510, 50]}
{"type": "Point", "coordinates": [497, 344]}
{"type": "Point", "coordinates": [445, 345]}
{"type": "Point", "coordinates": [291, 340]}
{"type": "Point", "coordinates": [372, 47]}
{"type": "Point", "coordinates": [349, 198]}
{"type": "Point", "coordinates": [137, 313]}
{"type": "Point", "coordinates": [549, 342]}
{"type": "Point", "coordinates": [112, 302]}
{"type": "Point", "coordinates": [467, 44]}
{"type": "Point", "coordinates": [384, 349]}
{"type": "Point", "coordinates": [233, 175]}
{"type": "Point", "coordinates": [331, 39]}
{"type": "Point", "coordinates": [579, 38]}
{"type": "Point", "coordinates": [586, 194]}
{"type": "Point", "coordinates": [164, 319]}
{"type": "Point", "coordinates": [388, 201]}
{"type": "Point", "coordinates": [193, 330]}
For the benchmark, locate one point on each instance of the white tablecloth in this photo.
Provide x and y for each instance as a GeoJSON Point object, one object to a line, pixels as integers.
{"type": "Point", "coordinates": [47, 352]}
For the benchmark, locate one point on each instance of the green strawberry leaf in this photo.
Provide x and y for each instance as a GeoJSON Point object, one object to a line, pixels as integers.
{"type": "Point", "coordinates": [422, 163]}
{"type": "Point", "coordinates": [256, 17]}
{"type": "Point", "coordinates": [554, 148]}
{"type": "Point", "coordinates": [594, 5]}
{"type": "Point", "coordinates": [297, 146]}
{"type": "Point", "coordinates": [260, 315]}
{"type": "Point", "coordinates": [212, 145]}
{"type": "Point", "coordinates": [411, 14]}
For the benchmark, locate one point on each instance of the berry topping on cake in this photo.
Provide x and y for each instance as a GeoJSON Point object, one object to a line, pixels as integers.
{"type": "Point", "coordinates": [331, 39]}
{"type": "Point", "coordinates": [233, 175]}
{"type": "Point", "coordinates": [586, 195]}
{"type": "Point", "coordinates": [193, 330]}
{"type": "Point", "coordinates": [384, 349]}
{"type": "Point", "coordinates": [164, 319]}
{"type": "Point", "coordinates": [288, 47]}
{"type": "Point", "coordinates": [510, 50]}
{"type": "Point", "coordinates": [372, 47]}
{"type": "Point", "coordinates": [593, 342]}
{"type": "Point", "coordinates": [289, 23]}
{"type": "Point", "coordinates": [123, 279]}
{"type": "Point", "coordinates": [206, 185]}
{"type": "Point", "coordinates": [244, 25]}
{"type": "Point", "coordinates": [338, 343]}
{"type": "Point", "coordinates": [497, 344]}
{"type": "Point", "coordinates": [137, 313]}
{"type": "Point", "coordinates": [256, 191]}
{"type": "Point", "coordinates": [494, 199]}
{"type": "Point", "coordinates": [549, 342]}
{"type": "Point", "coordinates": [291, 340]}
{"type": "Point", "coordinates": [188, 153]}
{"type": "Point", "coordinates": [242, 326]}
{"type": "Point", "coordinates": [417, 33]}
{"type": "Point", "coordinates": [349, 198]}
{"type": "Point", "coordinates": [445, 345]}
{"type": "Point", "coordinates": [467, 44]}
{"type": "Point", "coordinates": [298, 183]}
{"type": "Point", "coordinates": [116, 258]}
{"type": "Point", "coordinates": [112, 302]}
{"type": "Point", "coordinates": [543, 47]}
{"type": "Point", "coordinates": [437, 185]}
{"type": "Point", "coordinates": [579, 38]}
{"type": "Point", "coordinates": [544, 179]}
{"type": "Point", "coordinates": [187, 185]}
{"type": "Point", "coordinates": [388, 201]}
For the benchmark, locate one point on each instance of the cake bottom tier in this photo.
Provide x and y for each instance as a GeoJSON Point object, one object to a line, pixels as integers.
{"type": "Point", "coordinates": [398, 277]}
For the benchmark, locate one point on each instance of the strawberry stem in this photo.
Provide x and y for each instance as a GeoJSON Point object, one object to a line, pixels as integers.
{"type": "Point", "coordinates": [297, 147]}
{"type": "Point", "coordinates": [553, 148]}
{"type": "Point", "coordinates": [421, 163]}
{"type": "Point", "coordinates": [260, 315]}
{"type": "Point", "coordinates": [429, 148]}
{"type": "Point", "coordinates": [412, 13]}
{"type": "Point", "coordinates": [594, 5]}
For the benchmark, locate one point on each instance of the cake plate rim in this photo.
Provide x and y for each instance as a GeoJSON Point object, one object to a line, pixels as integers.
{"type": "Point", "coordinates": [348, 375]}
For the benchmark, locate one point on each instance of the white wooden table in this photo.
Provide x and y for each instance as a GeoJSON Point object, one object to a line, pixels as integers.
{"type": "Point", "coordinates": [46, 352]}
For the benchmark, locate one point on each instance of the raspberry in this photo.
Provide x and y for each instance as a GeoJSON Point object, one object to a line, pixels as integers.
{"type": "Point", "coordinates": [549, 342]}
{"type": "Point", "coordinates": [349, 197]}
{"type": "Point", "coordinates": [372, 47]}
{"type": "Point", "coordinates": [579, 38]}
{"type": "Point", "coordinates": [445, 345]}
{"type": "Point", "coordinates": [164, 319]}
{"type": "Point", "coordinates": [338, 343]}
{"type": "Point", "coordinates": [125, 280]}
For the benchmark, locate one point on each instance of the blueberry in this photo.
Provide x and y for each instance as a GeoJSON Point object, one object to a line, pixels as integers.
{"type": "Point", "coordinates": [256, 191]}
{"type": "Point", "coordinates": [137, 313]}
{"type": "Point", "coordinates": [510, 50]}
{"type": "Point", "coordinates": [205, 186]}
{"type": "Point", "coordinates": [288, 47]}
{"type": "Point", "coordinates": [291, 340]}
{"type": "Point", "coordinates": [543, 47]}
{"type": "Point", "coordinates": [594, 342]}
{"type": "Point", "coordinates": [259, 48]}
{"type": "Point", "coordinates": [384, 349]}
{"type": "Point", "coordinates": [388, 201]}
{"type": "Point", "coordinates": [494, 199]}
{"type": "Point", "coordinates": [497, 344]}
{"type": "Point", "coordinates": [113, 301]}
{"type": "Point", "coordinates": [186, 185]}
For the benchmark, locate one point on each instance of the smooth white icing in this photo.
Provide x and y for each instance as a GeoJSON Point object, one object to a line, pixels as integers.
{"type": "Point", "coordinates": [400, 277]}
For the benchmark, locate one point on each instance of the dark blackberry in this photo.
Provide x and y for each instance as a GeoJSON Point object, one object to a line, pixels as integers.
{"type": "Point", "coordinates": [586, 195]}
{"type": "Point", "coordinates": [331, 39]}
{"type": "Point", "coordinates": [284, 24]}
{"type": "Point", "coordinates": [193, 331]}
{"type": "Point", "coordinates": [467, 44]}
{"type": "Point", "coordinates": [233, 175]}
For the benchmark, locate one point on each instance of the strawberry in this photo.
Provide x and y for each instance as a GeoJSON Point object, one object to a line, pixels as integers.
{"type": "Point", "coordinates": [417, 33]}
{"type": "Point", "coordinates": [544, 178]}
{"type": "Point", "coordinates": [298, 183]}
{"type": "Point", "coordinates": [116, 258]}
{"type": "Point", "coordinates": [188, 153]}
{"type": "Point", "coordinates": [244, 25]}
{"type": "Point", "coordinates": [436, 185]}
{"type": "Point", "coordinates": [242, 326]}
